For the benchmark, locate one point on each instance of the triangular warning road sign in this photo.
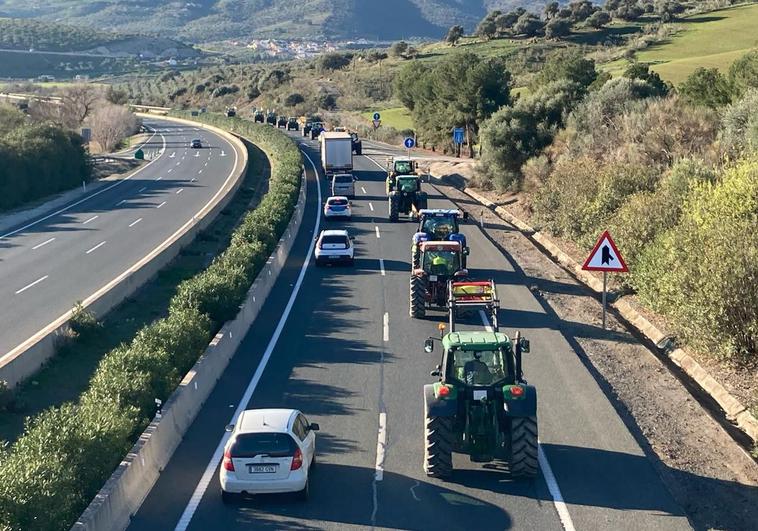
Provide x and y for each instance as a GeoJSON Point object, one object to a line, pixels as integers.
{"type": "Point", "coordinates": [605, 256]}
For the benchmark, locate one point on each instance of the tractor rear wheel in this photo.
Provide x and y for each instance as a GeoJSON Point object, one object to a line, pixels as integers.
{"type": "Point", "coordinates": [394, 206]}
{"type": "Point", "coordinates": [438, 446]}
{"type": "Point", "coordinates": [523, 461]}
{"type": "Point", "coordinates": [415, 257]}
{"type": "Point", "coordinates": [417, 297]}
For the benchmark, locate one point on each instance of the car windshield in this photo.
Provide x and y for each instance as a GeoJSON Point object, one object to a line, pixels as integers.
{"type": "Point", "coordinates": [403, 166]}
{"type": "Point", "coordinates": [441, 262]}
{"type": "Point", "coordinates": [342, 179]}
{"type": "Point", "coordinates": [334, 240]}
{"type": "Point", "coordinates": [478, 368]}
{"type": "Point", "coordinates": [338, 202]}
{"type": "Point", "coordinates": [271, 444]}
{"type": "Point", "coordinates": [440, 227]}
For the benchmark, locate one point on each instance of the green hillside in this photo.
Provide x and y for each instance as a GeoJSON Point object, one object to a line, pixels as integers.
{"type": "Point", "coordinates": [711, 40]}
{"type": "Point", "coordinates": [21, 34]}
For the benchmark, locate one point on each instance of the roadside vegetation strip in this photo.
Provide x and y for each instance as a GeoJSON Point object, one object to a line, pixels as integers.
{"type": "Point", "coordinates": [49, 475]}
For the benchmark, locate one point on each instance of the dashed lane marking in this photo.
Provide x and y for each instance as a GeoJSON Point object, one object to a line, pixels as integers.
{"type": "Point", "coordinates": [31, 285]}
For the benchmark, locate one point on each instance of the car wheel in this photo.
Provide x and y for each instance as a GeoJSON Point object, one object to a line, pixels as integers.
{"type": "Point", "coordinates": [228, 497]}
{"type": "Point", "coordinates": [303, 494]}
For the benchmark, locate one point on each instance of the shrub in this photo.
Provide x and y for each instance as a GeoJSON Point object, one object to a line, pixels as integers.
{"type": "Point", "coordinates": [739, 125]}
{"type": "Point", "coordinates": [703, 273]}
{"type": "Point", "coordinates": [708, 87]}
{"type": "Point", "coordinates": [6, 396]}
{"type": "Point", "coordinates": [82, 321]}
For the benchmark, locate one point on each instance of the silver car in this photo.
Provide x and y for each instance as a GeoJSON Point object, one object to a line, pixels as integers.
{"type": "Point", "coordinates": [343, 184]}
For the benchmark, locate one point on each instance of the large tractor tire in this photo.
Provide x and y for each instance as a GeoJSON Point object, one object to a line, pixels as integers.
{"type": "Point", "coordinates": [417, 297]}
{"type": "Point", "coordinates": [415, 257]}
{"type": "Point", "coordinates": [523, 459]}
{"type": "Point", "coordinates": [439, 440]}
{"type": "Point", "coordinates": [394, 206]}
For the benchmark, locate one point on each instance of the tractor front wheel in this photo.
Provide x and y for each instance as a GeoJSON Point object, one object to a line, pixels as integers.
{"type": "Point", "coordinates": [523, 461]}
{"type": "Point", "coordinates": [394, 206]}
{"type": "Point", "coordinates": [417, 297]}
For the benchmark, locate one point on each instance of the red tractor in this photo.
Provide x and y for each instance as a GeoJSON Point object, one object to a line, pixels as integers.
{"type": "Point", "coordinates": [438, 263]}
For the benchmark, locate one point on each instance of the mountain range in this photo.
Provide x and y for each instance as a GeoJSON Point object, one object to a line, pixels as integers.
{"type": "Point", "coordinates": [199, 21]}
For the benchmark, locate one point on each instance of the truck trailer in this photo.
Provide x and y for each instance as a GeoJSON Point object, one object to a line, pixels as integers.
{"type": "Point", "coordinates": [336, 153]}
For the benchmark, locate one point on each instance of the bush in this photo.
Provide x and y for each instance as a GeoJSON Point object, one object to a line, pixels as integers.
{"type": "Point", "coordinates": [739, 125]}
{"type": "Point", "coordinates": [6, 396]}
{"type": "Point", "coordinates": [82, 321]}
{"type": "Point", "coordinates": [708, 87]}
{"type": "Point", "coordinates": [703, 273]}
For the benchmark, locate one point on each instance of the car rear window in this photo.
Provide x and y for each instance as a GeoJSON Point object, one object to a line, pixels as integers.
{"type": "Point", "coordinates": [343, 179]}
{"type": "Point", "coordinates": [338, 202]}
{"type": "Point", "coordinates": [326, 240]}
{"type": "Point", "coordinates": [271, 444]}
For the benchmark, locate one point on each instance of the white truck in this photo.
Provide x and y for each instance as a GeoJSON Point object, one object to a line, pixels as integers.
{"type": "Point", "coordinates": [336, 152]}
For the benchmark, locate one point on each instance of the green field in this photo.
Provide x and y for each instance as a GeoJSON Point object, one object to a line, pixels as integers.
{"type": "Point", "coordinates": [396, 117]}
{"type": "Point", "coordinates": [711, 40]}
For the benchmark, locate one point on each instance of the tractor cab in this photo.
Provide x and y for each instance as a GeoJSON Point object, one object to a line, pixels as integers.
{"type": "Point", "coordinates": [438, 263]}
{"type": "Point", "coordinates": [258, 117]}
{"type": "Point", "coordinates": [438, 225]}
{"type": "Point", "coordinates": [402, 166]}
{"type": "Point", "coordinates": [481, 405]}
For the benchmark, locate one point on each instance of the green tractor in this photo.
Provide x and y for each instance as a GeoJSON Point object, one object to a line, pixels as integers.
{"type": "Point", "coordinates": [481, 405]}
{"type": "Point", "coordinates": [405, 196]}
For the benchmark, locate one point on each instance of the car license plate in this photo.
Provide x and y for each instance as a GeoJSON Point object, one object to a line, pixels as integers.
{"type": "Point", "coordinates": [333, 257]}
{"type": "Point", "coordinates": [432, 278]}
{"type": "Point", "coordinates": [263, 469]}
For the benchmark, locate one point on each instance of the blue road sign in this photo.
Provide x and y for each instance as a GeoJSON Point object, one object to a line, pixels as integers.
{"type": "Point", "coordinates": [458, 135]}
{"type": "Point", "coordinates": [409, 143]}
{"type": "Point", "coordinates": [377, 116]}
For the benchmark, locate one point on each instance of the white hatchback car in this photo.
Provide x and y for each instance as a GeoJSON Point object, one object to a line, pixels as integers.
{"type": "Point", "coordinates": [338, 207]}
{"type": "Point", "coordinates": [334, 246]}
{"type": "Point", "coordinates": [270, 451]}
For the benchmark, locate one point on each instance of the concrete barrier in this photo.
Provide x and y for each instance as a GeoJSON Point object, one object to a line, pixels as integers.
{"type": "Point", "coordinates": [27, 358]}
{"type": "Point", "coordinates": [123, 493]}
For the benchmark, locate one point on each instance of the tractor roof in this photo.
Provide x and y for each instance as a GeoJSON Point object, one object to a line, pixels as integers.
{"type": "Point", "coordinates": [441, 246]}
{"type": "Point", "coordinates": [475, 340]}
{"type": "Point", "coordinates": [442, 212]}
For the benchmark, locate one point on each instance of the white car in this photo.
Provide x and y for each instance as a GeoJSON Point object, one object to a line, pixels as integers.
{"type": "Point", "coordinates": [270, 451]}
{"type": "Point", "coordinates": [334, 246]}
{"type": "Point", "coordinates": [338, 207]}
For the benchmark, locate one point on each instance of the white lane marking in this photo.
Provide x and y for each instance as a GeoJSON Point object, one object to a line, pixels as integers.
{"type": "Point", "coordinates": [201, 171]}
{"type": "Point", "coordinates": [159, 178]}
{"type": "Point", "coordinates": [555, 491]}
{"type": "Point", "coordinates": [205, 164]}
{"type": "Point", "coordinates": [222, 153]}
{"type": "Point", "coordinates": [381, 267]}
{"type": "Point", "coordinates": [170, 170]}
{"type": "Point", "coordinates": [376, 228]}
{"type": "Point", "coordinates": [42, 244]}
{"type": "Point", "coordinates": [197, 154]}
{"type": "Point", "coordinates": [93, 218]}
{"type": "Point", "coordinates": [30, 285]}
{"type": "Point", "coordinates": [193, 180]}
{"type": "Point", "coordinates": [386, 327]}
{"type": "Point", "coordinates": [363, 190]}
{"type": "Point", "coordinates": [547, 472]}
{"type": "Point", "coordinates": [178, 163]}
{"type": "Point", "coordinates": [121, 202]}
{"type": "Point", "coordinates": [142, 189]}
{"type": "Point", "coordinates": [96, 247]}
{"type": "Point", "coordinates": [161, 204]}
{"type": "Point", "coordinates": [180, 190]}
{"type": "Point", "coordinates": [381, 447]}
{"type": "Point", "coordinates": [172, 155]}
{"type": "Point", "coordinates": [371, 207]}
{"type": "Point", "coordinates": [72, 205]}
{"type": "Point", "coordinates": [133, 223]}
{"type": "Point", "coordinates": [210, 469]}
{"type": "Point", "coordinates": [413, 491]}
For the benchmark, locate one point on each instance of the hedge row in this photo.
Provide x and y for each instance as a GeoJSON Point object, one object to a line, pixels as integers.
{"type": "Point", "coordinates": [50, 474]}
{"type": "Point", "coordinates": [39, 160]}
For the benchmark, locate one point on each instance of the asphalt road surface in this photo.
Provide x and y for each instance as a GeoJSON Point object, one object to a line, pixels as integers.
{"type": "Point", "coordinates": [65, 256]}
{"type": "Point", "coordinates": [334, 358]}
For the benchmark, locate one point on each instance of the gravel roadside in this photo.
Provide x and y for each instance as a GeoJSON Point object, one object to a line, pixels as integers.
{"type": "Point", "coordinates": [712, 478]}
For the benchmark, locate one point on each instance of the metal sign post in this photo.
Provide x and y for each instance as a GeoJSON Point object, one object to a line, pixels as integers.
{"type": "Point", "coordinates": [605, 257]}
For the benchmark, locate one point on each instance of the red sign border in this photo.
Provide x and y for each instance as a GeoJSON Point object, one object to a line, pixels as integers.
{"type": "Point", "coordinates": [587, 267]}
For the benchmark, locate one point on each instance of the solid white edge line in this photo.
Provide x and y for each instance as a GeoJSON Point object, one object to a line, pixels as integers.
{"type": "Point", "coordinates": [30, 285]}
{"type": "Point", "coordinates": [547, 472]}
{"type": "Point", "coordinates": [381, 447]}
{"type": "Point", "coordinates": [555, 491]}
{"type": "Point", "coordinates": [210, 470]}
{"type": "Point", "coordinates": [42, 244]}
{"type": "Point", "coordinates": [72, 205]}
{"type": "Point", "coordinates": [381, 267]}
{"type": "Point", "coordinates": [96, 247]}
